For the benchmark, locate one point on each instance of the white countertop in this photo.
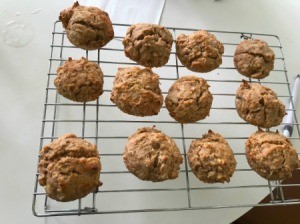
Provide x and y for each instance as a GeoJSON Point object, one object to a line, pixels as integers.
{"type": "Point", "coordinates": [23, 81]}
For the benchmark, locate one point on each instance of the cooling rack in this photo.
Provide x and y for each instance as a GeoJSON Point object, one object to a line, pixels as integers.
{"type": "Point", "coordinates": [103, 124]}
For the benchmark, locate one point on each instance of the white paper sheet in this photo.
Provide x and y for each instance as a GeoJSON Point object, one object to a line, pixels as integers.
{"type": "Point", "coordinates": [129, 11]}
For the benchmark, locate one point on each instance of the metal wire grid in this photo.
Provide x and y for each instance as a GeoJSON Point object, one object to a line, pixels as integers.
{"type": "Point", "coordinates": [90, 113]}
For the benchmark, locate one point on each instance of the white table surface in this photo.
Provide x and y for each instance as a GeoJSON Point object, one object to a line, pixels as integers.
{"type": "Point", "coordinates": [23, 80]}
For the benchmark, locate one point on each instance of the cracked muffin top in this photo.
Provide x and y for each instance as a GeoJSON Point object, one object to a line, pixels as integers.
{"type": "Point", "coordinates": [254, 58]}
{"type": "Point", "coordinates": [151, 155]}
{"type": "Point", "coordinates": [259, 105]}
{"type": "Point", "coordinates": [189, 99]}
{"type": "Point", "coordinates": [148, 44]}
{"type": "Point", "coordinates": [271, 155]}
{"type": "Point", "coordinates": [69, 168]}
{"type": "Point", "coordinates": [211, 158]}
{"type": "Point", "coordinates": [136, 91]}
{"type": "Point", "coordinates": [87, 27]}
{"type": "Point", "coordinates": [200, 51]}
{"type": "Point", "coordinates": [79, 80]}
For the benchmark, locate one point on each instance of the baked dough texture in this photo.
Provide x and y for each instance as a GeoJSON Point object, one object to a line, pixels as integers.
{"type": "Point", "coordinates": [254, 58]}
{"type": "Point", "coordinates": [79, 80]}
{"type": "Point", "coordinates": [259, 105]}
{"type": "Point", "coordinates": [148, 44]}
{"type": "Point", "coordinates": [200, 51]}
{"type": "Point", "coordinates": [69, 168]}
{"type": "Point", "coordinates": [211, 159]}
{"type": "Point", "coordinates": [151, 155]}
{"type": "Point", "coordinates": [271, 155]}
{"type": "Point", "coordinates": [136, 91]}
{"type": "Point", "coordinates": [87, 27]}
{"type": "Point", "coordinates": [189, 99]}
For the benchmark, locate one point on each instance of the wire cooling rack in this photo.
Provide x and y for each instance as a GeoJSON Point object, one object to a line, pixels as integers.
{"type": "Point", "coordinates": [103, 124]}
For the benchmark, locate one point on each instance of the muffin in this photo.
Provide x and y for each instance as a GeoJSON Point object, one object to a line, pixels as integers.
{"type": "Point", "coordinates": [87, 27]}
{"type": "Point", "coordinates": [151, 155]}
{"type": "Point", "coordinates": [259, 105]}
{"type": "Point", "coordinates": [148, 44]}
{"type": "Point", "coordinates": [136, 91]}
{"type": "Point", "coordinates": [254, 58]}
{"type": "Point", "coordinates": [69, 168]}
{"type": "Point", "coordinates": [199, 51]}
{"type": "Point", "coordinates": [211, 159]}
{"type": "Point", "coordinates": [271, 155]}
{"type": "Point", "coordinates": [79, 80]}
{"type": "Point", "coordinates": [189, 99]}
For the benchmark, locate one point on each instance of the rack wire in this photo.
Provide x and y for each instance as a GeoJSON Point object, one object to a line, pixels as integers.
{"type": "Point", "coordinates": [103, 124]}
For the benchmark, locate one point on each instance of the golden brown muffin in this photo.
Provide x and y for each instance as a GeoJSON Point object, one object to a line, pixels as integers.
{"type": "Point", "coordinates": [254, 58]}
{"type": "Point", "coordinates": [136, 91]}
{"type": "Point", "coordinates": [79, 80]}
{"type": "Point", "coordinates": [151, 155]}
{"type": "Point", "coordinates": [69, 168]}
{"type": "Point", "coordinates": [189, 99]}
{"type": "Point", "coordinates": [211, 159]}
{"type": "Point", "coordinates": [87, 27]}
{"type": "Point", "coordinates": [259, 105]}
{"type": "Point", "coordinates": [148, 44]}
{"type": "Point", "coordinates": [200, 51]}
{"type": "Point", "coordinates": [271, 155]}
